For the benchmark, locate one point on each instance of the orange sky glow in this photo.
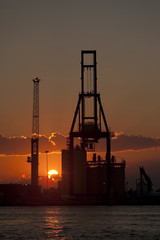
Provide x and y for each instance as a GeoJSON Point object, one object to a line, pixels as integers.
{"type": "Point", "coordinates": [45, 39]}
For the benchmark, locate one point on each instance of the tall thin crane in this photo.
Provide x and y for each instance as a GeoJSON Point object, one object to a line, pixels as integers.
{"type": "Point", "coordinates": [35, 134]}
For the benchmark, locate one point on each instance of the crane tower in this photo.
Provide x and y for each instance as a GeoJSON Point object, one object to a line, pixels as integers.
{"type": "Point", "coordinates": [35, 134]}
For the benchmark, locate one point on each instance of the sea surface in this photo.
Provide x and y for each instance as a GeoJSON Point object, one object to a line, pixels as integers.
{"type": "Point", "coordinates": [84, 222]}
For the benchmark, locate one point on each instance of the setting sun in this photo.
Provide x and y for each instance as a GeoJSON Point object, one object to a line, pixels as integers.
{"type": "Point", "coordinates": [52, 172]}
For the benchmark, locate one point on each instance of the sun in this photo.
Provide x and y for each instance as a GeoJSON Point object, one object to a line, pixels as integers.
{"type": "Point", "coordinates": [52, 172]}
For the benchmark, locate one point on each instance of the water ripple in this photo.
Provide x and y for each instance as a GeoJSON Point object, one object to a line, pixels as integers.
{"type": "Point", "coordinates": [93, 222]}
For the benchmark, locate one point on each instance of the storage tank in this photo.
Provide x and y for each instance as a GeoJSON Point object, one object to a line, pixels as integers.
{"type": "Point", "coordinates": [79, 172]}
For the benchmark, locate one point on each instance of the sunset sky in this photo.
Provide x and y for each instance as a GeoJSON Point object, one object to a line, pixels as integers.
{"type": "Point", "coordinates": [45, 39]}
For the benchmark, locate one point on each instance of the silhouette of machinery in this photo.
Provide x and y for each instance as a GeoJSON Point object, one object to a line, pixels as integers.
{"type": "Point", "coordinates": [35, 134]}
{"type": "Point", "coordinates": [79, 174]}
{"type": "Point", "coordinates": [144, 184]}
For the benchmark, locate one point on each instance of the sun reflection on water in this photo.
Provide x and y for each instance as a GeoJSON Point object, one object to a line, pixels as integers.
{"type": "Point", "coordinates": [53, 226]}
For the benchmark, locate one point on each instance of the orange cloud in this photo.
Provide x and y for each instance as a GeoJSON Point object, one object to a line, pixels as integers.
{"type": "Point", "coordinates": [18, 146]}
{"type": "Point", "coordinates": [58, 139]}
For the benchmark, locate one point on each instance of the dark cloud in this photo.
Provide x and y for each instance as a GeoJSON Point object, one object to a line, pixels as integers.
{"type": "Point", "coordinates": [22, 145]}
{"type": "Point", "coordinates": [45, 144]}
{"type": "Point", "coordinates": [124, 142]}
{"type": "Point", "coordinates": [56, 142]}
{"type": "Point", "coordinates": [14, 145]}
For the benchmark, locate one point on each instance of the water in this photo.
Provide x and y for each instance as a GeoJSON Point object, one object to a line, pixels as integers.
{"type": "Point", "coordinates": [93, 222]}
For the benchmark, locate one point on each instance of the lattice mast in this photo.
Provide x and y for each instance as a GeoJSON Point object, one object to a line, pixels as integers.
{"type": "Point", "coordinates": [35, 133]}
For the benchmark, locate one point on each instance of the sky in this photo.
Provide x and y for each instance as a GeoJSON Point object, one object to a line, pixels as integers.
{"type": "Point", "coordinates": [45, 39]}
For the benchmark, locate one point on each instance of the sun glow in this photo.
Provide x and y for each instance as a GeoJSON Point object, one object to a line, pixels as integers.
{"type": "Point", "coordinates": [52, 172]}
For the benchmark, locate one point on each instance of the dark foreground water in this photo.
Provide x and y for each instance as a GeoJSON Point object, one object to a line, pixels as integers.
{"type": "Point", "coordinates": [93, 222]}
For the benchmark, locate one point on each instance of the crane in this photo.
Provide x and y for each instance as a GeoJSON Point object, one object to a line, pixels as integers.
{"type": "Point", "coordinates": [35, 134]}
